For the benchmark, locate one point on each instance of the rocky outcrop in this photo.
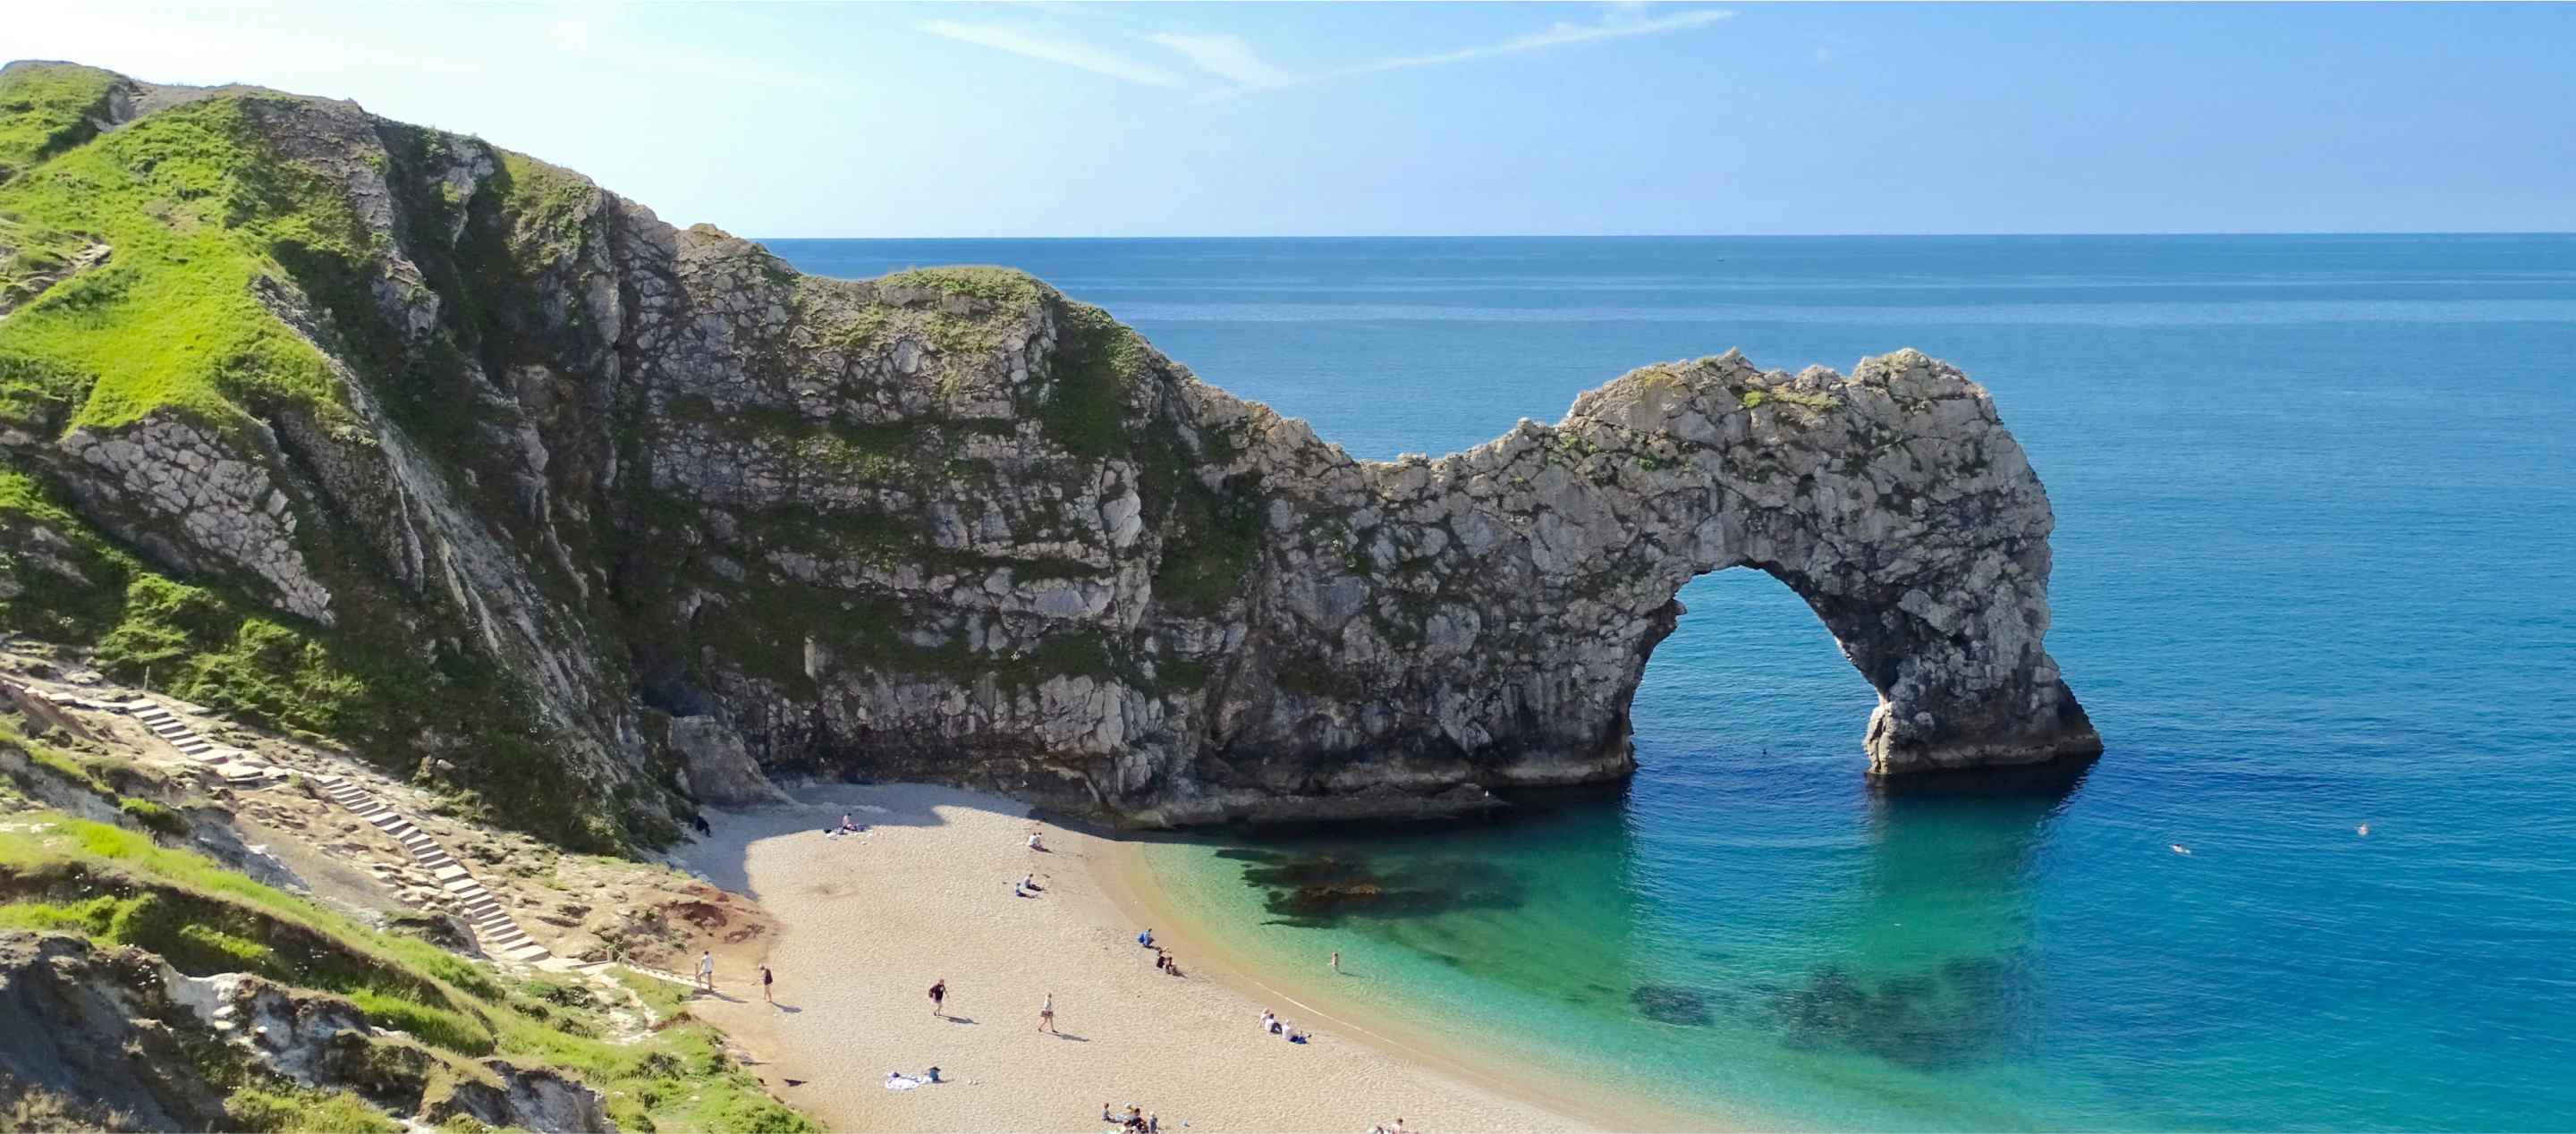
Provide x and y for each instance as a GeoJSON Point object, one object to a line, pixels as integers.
{"type": "Point", "coordinates": [716, 767]}
{"type": "Point", "coordinates": [951, 525]}
{"type": "Point", "coordinates": [126, 1035]}
{"type": "Point", "coordinates": [110, 1039]}
{"type": "Point", "coordinates": [230, 514]}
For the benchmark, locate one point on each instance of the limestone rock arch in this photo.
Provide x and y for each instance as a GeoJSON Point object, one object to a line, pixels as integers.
{"type": "Point", "coordinates": [1482, 620]}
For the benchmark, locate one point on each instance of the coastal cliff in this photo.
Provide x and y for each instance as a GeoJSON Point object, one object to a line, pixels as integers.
{"type": "Point", "coordinates": [388, 435]}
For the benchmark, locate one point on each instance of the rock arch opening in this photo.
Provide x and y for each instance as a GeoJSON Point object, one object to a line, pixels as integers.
{"type": "Point", "coordinates": [1748, 679]}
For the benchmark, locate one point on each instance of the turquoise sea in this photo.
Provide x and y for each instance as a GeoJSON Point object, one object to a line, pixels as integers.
{"type": "Point", "coordinates": [2315, 568]}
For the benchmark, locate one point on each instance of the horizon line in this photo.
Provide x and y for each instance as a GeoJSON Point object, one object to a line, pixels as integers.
{"type": "Point", "coordinates": [1715, 235]}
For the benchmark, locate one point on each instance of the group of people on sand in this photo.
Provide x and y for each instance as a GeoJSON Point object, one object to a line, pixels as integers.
{"type": "Point", "coordinates": [707, 976]}
{"type": "Point", "coordinates": [1163, 960]}
{"type": "Point", "coordinates": [1135, 1120]}
{"type": "Point", "coordinates": [1271, 1024]}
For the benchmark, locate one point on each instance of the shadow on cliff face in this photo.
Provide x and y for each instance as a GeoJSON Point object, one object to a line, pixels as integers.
{"type": "Point", "coordinates": [1320, 889]}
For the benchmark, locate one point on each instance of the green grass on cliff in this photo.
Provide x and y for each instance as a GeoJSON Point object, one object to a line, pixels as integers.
{"type": "Point", "coordinates": [46, 109]}
{"type": "Point", "coordinates": [1097, 362]}
{"type": "Point", "coordinates": [367, 684]}
{"type": "Point", "coordinates": [203, 214]}
{"type": "Point", "coordinates": [32, 257]}
{"type": "Point", "coordinates": [547, 205]}
{"type": "Point", "coordinates": [197, 208]}
{"type": "Point", "coordinates": [1006, 287]}
{"type": "Point", "coordinates": [115, 886]}
{"type": "Point", "coordinates": [197, 643]}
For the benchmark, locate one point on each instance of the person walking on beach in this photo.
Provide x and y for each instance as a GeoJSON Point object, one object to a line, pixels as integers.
{"type": "Point", "coordinates": [938, 996]}
{"type": "Point", "coordinates": [1046, 1014]}
{"type": "Point", "coordinates": [1337, 962]}
{"type": "Point", "coordinates": [765, 980]}
{"type": "Point", "coordinates": [707, 970]}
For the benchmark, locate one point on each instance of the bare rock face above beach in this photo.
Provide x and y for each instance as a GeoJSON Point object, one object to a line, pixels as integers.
{"type": "Point", "coordinates": [699, 519]}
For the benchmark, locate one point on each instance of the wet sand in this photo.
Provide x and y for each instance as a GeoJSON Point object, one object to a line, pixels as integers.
{"type": "Point", "coordinates": [868, 923]}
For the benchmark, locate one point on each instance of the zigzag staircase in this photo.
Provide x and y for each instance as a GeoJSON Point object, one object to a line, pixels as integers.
{"type": "Point", "coordinates": [234, 765]}
{"type": "Point", "coordinates": [494, 932]}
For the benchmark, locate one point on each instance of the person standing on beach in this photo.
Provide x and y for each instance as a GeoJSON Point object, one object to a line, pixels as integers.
{"type": "Point", "coordinates": [707, 970]}
{"type": "Point", "coordinates": [1046, 1014]}
{"type": "Point", "coordinates": [938, 996]}
{"type": "Point", "coordinates": [765, 980]}
{"type": "Point", "coordinates": [1337, 962]}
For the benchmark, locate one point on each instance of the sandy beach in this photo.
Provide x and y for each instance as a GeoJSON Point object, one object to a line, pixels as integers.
{"type": "Point", "coordinates": [868, 923]}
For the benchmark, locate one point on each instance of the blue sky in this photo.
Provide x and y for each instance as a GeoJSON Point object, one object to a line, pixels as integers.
{"type": "Point", "coordinates": [1050, 119]}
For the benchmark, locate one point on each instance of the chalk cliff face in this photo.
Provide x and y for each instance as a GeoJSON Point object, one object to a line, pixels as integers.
{"type": "Point", "coordinates": [679, 515]}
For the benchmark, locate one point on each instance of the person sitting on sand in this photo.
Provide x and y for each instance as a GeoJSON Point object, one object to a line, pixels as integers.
{"type": "Point", "coordinates": [1146, 939]}
{"type": "Point", "coordinates": [1153, 1124]}
{"type": "Point", "coordinates": [1034, 843]}
{"type": "Point", "coordinates": [1268, 1020]}
{"type": "Point", "coordinates": [1162, 960]}
{"type": "Point", "coordinates": [1105, 1115]}
{"type": "Point", "coordinates": [1029, 882]}
{"type": "Point", "coordinates": [1171, 964]}
{"type": "Point", "coordinates": [847, 827]}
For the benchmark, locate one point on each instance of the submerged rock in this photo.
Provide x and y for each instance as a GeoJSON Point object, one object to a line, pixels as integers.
{"type": "Point", "coordinates": [1672, 1004]}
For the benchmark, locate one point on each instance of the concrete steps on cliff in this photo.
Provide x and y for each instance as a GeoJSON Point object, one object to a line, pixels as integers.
{"type": "Point", "coordinates": [495, 931]}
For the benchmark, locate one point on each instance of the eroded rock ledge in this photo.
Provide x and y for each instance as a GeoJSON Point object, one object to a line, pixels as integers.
{"type": "Point", "coordinates": [703, 517]}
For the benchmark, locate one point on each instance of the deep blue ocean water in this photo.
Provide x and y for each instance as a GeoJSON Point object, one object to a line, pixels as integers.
{"type": "Point", "coordinates": [2315, 568]}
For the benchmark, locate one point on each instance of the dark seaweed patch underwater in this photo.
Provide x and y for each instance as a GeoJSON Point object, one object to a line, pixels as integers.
{"type": "Point", "coordinates": [1322, 889]}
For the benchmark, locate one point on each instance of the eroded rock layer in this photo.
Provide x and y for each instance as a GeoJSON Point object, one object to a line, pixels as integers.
{"type": "Point", "coordinates": [688, 514]}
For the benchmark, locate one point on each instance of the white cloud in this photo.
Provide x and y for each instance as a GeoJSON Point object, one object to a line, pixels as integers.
{"type": "Point", "coordinates": [1235, 61]}
{"type": "Point", "coordinates": [1230, 58]}
{"type": "Point", "coordinates": [1036, 45]}
{"type": "Point", "coordinates": [1555, 35]}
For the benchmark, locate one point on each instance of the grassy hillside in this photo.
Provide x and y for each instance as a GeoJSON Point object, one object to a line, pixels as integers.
{"type": "Point", "coordinates": [116, 886]}
{"type": "Point", "coordinates": [139, 275]}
